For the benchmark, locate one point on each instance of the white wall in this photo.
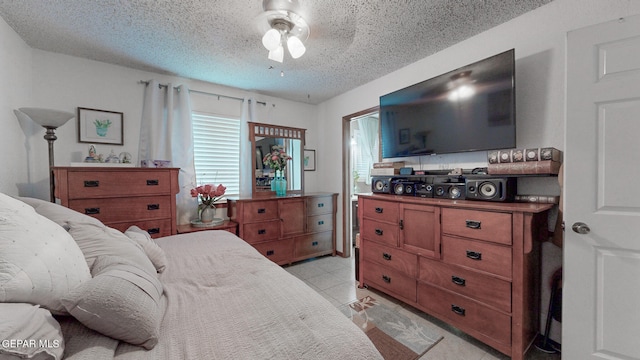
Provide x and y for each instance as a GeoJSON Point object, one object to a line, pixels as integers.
{"type": "Point", "coordinates": [15, 77]}
{"type": "Point", "coordinates": [65, 83]}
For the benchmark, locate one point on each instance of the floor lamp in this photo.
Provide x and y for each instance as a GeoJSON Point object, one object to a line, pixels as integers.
{"type": "Point", "coordinates": [50, 120]}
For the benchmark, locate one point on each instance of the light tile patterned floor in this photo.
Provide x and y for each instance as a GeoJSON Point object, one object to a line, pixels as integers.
{"type": "Point", "coordinates": [334, 278]}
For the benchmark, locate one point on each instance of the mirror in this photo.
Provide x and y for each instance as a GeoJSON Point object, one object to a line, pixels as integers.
{"type": "Point", "coordinates": [263, 138]}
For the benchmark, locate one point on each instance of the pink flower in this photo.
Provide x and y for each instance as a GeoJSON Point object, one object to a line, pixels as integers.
{"type": "Point", "coordinates": [194, 193]}
{"type": "Point", "coordinates": [219, 191]}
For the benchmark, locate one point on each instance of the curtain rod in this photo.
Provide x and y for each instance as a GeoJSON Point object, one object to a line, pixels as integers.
{"type": "Point", "coordinates": [206, 93]}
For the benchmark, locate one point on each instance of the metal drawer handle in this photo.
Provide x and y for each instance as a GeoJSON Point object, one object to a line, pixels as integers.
{"type": "Point", "coordinates": [379, 232]}
{"type": "Point", "coordinates": [270, 252]}
{"type": "Point", "coordinates": [474, 255]}
{"type": "Point", "coordinates": [458, 310]}
{"type": "Point", "coordinates": [153, 207]}
{"type": "Point", "coordinates": [321, 222]}
{"type": "Point", "coordinates": [91, 183]}
{"type": "Point", "coordinates": [315, 243]}
{"type": "Point", "coordinates": [379, 210]}
{"type": "Point", "coordinates": [320, 204]}
{"type": "Point", "coordinates": [153, 231]}
{"type": "Point", "coordinates": [386, 279]}
{"type": "Point", "coordinates": [458, 280]}
{"type": "Point", "coordinates": [262, 211]}
{"type": "Point", "coordinates": [153, 182]}
{"type": "Point", "coordinates": [472, 224]}
{"type": "Point", "coordinates": [386, 256]}
{"type": "Point", "coordinates": [262, 232]}
{"type": "Point", "coordinates": [92, 211]}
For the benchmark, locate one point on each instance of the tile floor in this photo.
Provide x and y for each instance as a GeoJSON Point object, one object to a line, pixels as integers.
{"type": "Point", "coordinates": [333, 278]}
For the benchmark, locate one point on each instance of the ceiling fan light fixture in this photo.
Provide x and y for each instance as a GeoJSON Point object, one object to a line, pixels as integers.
{"type": "Point", "coordinates": [280, 23]}
{"type": "Point", "coordinates": [295, 46]}
{"type": "Point", "coordinates": [272, 39]}
{"type": "Point", "coordinates": [277, 54]}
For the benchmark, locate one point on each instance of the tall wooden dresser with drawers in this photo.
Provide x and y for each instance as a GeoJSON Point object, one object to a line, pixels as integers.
{"type": "Point", "coordinates": [287, 229]}
{"type": "Point", "coordinates": [121, 197]}
{"type": "Point", "coordinates": [472, 264]}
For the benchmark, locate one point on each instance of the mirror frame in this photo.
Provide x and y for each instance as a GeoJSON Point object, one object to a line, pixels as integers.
{"type": "Point", "coordinates": [276, 131]}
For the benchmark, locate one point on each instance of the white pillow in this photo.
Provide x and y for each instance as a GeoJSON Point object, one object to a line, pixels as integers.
{"type": "Point", "coordinates": [59, 214]}
{"type": "Point", "coordinates": [99, 240]}
{"type": "Point", "coordinates": [28, 331]}
{"type": "Point", "coordinates": [39, 261]}
{"type": "Point", "coordinates": [153, 251]}
{"type": "Point", "coordinates": [121, 301]}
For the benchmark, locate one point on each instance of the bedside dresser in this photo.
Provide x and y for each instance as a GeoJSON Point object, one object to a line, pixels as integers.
{"type": "Point", "coordinates": [121, 197]}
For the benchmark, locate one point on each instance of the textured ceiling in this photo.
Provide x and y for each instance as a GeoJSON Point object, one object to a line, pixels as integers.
{"type": "Point", "coordinates": [351, 42]}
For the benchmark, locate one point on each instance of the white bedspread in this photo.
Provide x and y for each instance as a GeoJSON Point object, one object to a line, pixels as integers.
{"type": "Point", "coordinates": [226, 301]}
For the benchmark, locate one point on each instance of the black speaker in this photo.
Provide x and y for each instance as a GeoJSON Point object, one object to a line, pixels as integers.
{"type": "Point", "coordinates": [454, 191]}
{"type": "Point", "coordinates": [491, 189]}
{"type": "Point", "coordinates": [403, 187]}
{"type": "Point", "coordinates": [383, 184]}
{"type": "Point", "coordinates": [380, 184]}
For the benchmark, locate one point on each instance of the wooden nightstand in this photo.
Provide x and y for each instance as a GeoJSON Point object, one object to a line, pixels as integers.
{"type": "Point", "coordinates": [228, 225]}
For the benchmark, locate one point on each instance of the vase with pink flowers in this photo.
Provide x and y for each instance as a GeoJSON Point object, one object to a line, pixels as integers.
{"type": "Point", "coordinates": [207, 196]}
{"type": "Point", "coordinates": [277, 160]}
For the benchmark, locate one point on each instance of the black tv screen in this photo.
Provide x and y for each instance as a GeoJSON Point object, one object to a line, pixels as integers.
{"type": "Point", "coordinates": [468, 109]}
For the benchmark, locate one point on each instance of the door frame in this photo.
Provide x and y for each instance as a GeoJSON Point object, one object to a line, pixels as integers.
{"type": "Point", "coordinates": [346, 170]}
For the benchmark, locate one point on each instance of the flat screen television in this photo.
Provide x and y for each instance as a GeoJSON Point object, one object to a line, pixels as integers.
{"type": "Point", "coordinates": [468, 109]}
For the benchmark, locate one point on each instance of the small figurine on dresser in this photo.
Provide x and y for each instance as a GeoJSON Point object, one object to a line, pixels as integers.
{"type": "Point", "coordinates": [93, 156]}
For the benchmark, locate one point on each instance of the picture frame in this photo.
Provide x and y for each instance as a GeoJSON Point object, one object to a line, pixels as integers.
{"type": "Point", "coordinates": [404, 136]}
{"type": "Point", "coordinates": [309, 160]}
{"type": "Point", "coordinates": [100, 126]}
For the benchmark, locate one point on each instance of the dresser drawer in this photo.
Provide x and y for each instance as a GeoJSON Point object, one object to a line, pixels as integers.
{"type": "Point", "coordinates": [83, 185]}
{"type": "Point", "coordinates": [390, 258]}
{"type": "Point", "coordinates": [278, 251]}
{"type": "Point", "coordinates": [486, 289]}
{"type": "Point", "coordinates": [318, 223]}
{"type": "Point", "coordinates": [260, 211]}
{"type": "Point", "coordinates": [320, 205]}
{"type": "Point", "coordinates": [320, 243]}
{"type": "Point", "coordinates": [380, 210]}
{"type": "Point", "coordinates": [466, 313]}
{"type": "Point", "coordinates": [262, 231]}
{"type": "Point", "coordinates": [478, 255]}
{"type": "Point", "coordinates": [483, 225]}
{"type": "Point", "coordinates": [124, 209]}
{"type": "Point", "coordinates": [380, 232]}
{"type": "Point", "coordinates": [155, 228]}
{"type": "Point", "coordinates": [385, 278]}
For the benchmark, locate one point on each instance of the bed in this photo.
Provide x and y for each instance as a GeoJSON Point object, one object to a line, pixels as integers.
{"type": "Point", "coordinates": [96, 293]}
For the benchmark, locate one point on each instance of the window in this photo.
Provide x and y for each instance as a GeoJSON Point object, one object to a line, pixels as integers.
{"type": "Point", "coordinates": [216, 148]}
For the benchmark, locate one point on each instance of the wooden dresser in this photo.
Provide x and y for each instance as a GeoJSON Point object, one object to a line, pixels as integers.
{"type": "Point", "coordinates": [287, 229]}
{"type": "Point", "coordinates": [472, 264]}
{"type": "Point", "coordinates": [121, 197]}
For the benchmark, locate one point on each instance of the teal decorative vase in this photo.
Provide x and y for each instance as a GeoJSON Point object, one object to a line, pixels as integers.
{"type": "Point", "coordinates": [280, 184]}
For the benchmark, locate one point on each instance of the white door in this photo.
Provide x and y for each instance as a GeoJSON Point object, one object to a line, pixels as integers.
{"type": "Point", "coordinates": [601, 289]}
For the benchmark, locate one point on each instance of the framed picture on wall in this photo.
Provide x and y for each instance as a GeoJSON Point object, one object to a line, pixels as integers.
{"type": "Point", "coordinates": [309, 160]}
{"type": "Point", "coordinates": [100, 126]}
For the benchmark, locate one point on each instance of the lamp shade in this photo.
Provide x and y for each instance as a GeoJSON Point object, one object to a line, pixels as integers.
{"type": "Point", "coordinates": [277, 54]}
{"type": "Point", "coordinates": [296, 47]}
{"type": "Point", "coordinates": [48, 117]}
{"type": "Point", "coordinates": [271, 39]}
